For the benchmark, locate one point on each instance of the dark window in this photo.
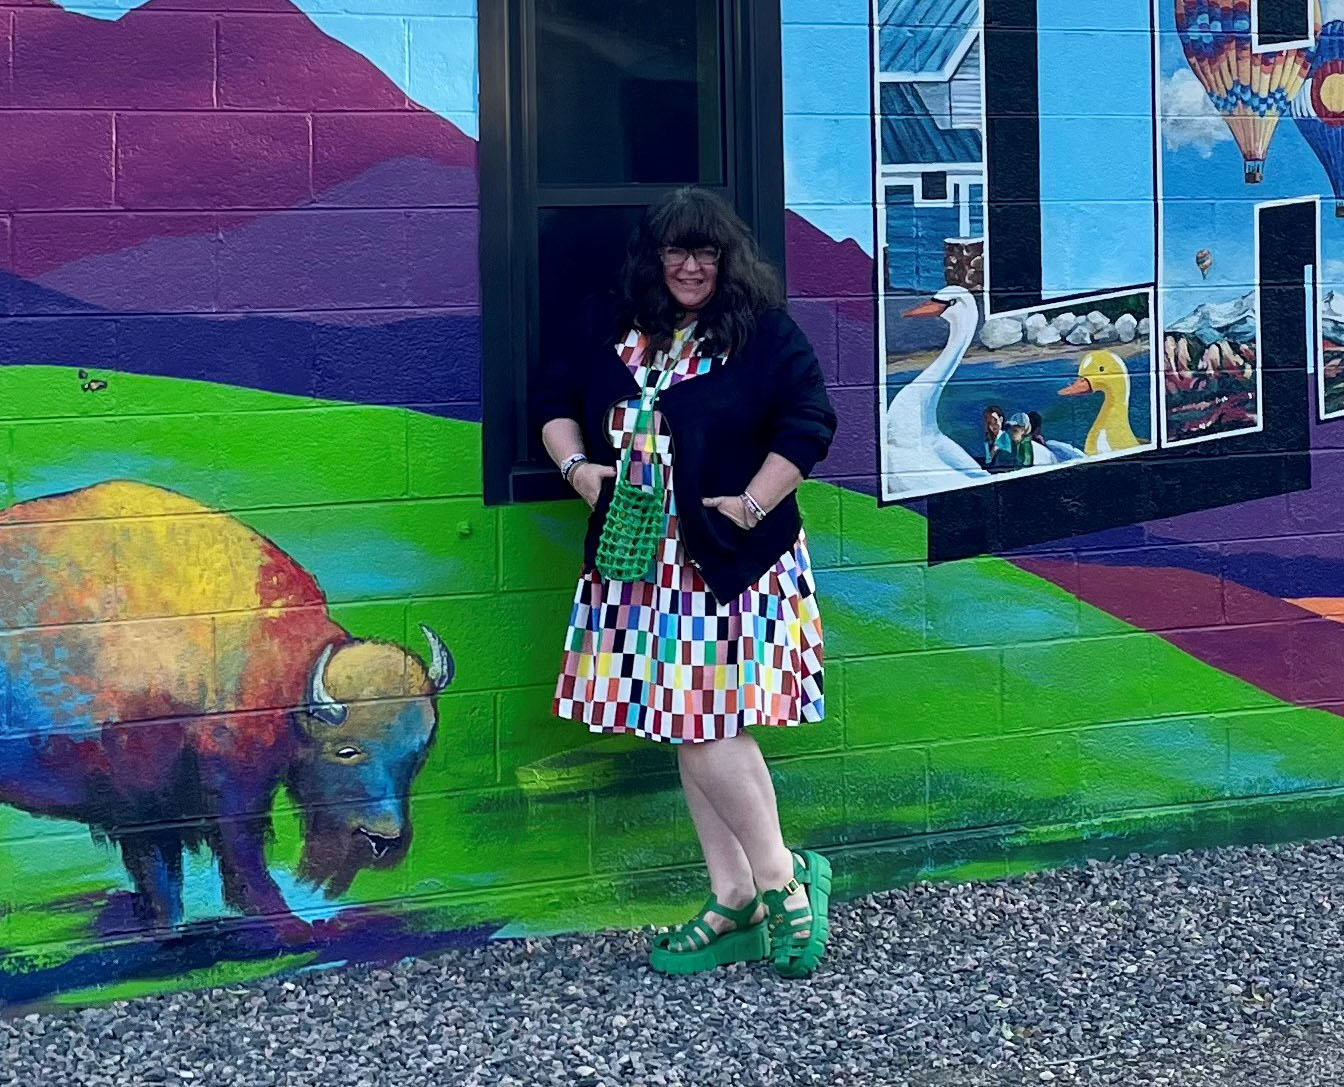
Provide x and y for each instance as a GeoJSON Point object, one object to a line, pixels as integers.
{"type": "Point", "coordinates": [1280, 22]}
{"type": "Point", "coordinates": [579, 253]}
{"type": "Point", "coordinates": [590, 110]}
{"type": "Point", "coordinates": [935, 186]}
{"type": "Point", "coordinates": [628, 92]}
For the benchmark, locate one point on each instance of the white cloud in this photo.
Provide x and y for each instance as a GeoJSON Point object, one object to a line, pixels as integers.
{"type": "Point", "coordinates": [1331, 10]}
{"type": "Point", "coordinates": [1188, 117]}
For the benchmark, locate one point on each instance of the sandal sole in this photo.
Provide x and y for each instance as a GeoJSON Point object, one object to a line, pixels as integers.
{"type": "Point", "coordinates": [748, 945]}
{"type": "Point", "coordinates": [818, 881]}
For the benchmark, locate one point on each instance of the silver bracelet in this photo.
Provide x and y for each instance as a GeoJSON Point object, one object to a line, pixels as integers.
{"type": "Point", "coordinates": [753, 507]}
{"type": "Point", "coordinates": [570, 463]}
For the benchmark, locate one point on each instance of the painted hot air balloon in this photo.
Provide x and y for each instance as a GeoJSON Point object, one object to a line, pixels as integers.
{"type": "Point", "coordinates": [1251, 90]}
{"type": "Point", "coordinates": [1204, 261]}
{"type": "Point", "coordinates": [1318, 108]}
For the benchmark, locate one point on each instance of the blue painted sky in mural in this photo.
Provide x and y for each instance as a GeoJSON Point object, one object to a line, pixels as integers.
{"type": "Point", "coordinates": [426, 47]}
{"type": "Point", "coordinates": [1096, 145]}
{"type": "Point", "coordinates": [1096, 163]}
{"type": "Point", "coordinates": [828, 128]}
{"type": "Point", "coordinates": [1096, 141]}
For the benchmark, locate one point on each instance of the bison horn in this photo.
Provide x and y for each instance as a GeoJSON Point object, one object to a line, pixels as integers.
{"type": "Point", "coordinates": [320, 703]}
{"type": "Point", "coordinates": [441, 666]}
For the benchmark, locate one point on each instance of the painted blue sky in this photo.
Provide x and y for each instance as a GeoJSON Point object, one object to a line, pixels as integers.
{"type": "Point", "coordinates": [1096, 145]}
{"type": "Point", "coordinates": [1096, 168]}
{"type": "Point", "coordinates": [426, 47]}
{"type": "Point", "coordinates": [828, 127]}
{"type": "Point", "coordinates": [1097, 162]}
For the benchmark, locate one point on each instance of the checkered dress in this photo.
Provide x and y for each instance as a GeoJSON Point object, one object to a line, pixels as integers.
{"type": "Point", "coordinates": [659, 657]}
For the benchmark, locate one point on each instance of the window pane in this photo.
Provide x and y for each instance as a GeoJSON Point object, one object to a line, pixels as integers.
{"type": "Point", "coordinates": [580, 251]}
{"type": "Point", "coordinates": [628, 91]}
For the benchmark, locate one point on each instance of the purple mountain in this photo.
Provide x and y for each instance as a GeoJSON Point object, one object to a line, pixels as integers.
{"type": "Point", "coordinates": [232, 196]}
{"type": "Point", "coordinates": [833, 299]}
{"type": "Point", "coordinates": [184, 160]}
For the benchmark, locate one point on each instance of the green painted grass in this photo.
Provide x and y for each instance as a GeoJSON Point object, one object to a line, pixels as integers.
{"type": "Point", "coordinates": [959, 744]}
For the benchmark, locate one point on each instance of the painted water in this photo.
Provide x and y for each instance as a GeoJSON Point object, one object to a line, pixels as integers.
{"type": "Point", "coordinates": [1031, 385]}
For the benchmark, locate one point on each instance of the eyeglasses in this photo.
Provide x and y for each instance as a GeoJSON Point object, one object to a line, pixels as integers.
{"type": "Point", "coordinates": [674, 255]}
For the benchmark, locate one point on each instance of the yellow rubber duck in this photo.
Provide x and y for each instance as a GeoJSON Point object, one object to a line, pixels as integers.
{"type": "Point", "coordinates": [1105, 372]}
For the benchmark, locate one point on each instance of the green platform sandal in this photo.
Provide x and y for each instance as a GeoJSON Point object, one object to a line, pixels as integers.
{"type": "Point", "coordinates": [793, 954]}
{"type": "Point", "coordinates": [694, 946]}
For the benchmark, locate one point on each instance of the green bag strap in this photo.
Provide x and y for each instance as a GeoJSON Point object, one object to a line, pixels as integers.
{"type": "Point", "coordinates": [645, 420]}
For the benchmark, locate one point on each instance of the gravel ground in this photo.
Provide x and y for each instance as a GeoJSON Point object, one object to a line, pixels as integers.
{"type": "Point", "coordinates": [1217, 968]}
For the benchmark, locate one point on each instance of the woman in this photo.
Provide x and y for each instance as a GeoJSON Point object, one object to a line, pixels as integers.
{"type": "Point", "coordinates": [723, 631]}
{"type": "Point", "coordinates": [998, 446]}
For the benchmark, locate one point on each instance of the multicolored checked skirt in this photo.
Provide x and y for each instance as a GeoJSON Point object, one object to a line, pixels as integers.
{"type": "Point", "coordinates": [659, 657]}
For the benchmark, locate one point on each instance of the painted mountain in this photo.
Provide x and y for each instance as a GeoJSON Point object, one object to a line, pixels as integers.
{"type": "Point", "coordinates": [832, 297]}
{"type": "Point", "coordinates": [237, 197]}
{"type": "Point", "coordinates": [1257, 589]}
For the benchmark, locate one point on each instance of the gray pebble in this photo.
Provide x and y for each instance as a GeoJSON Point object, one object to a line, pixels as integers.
{"type": "Point", "coordinates": [1208, 969]}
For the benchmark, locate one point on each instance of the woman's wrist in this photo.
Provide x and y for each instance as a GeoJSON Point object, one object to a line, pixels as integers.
{"type": "Point", "coordinates": [755, 512]}
{"type": "Point", "coordinates": [570, 465]}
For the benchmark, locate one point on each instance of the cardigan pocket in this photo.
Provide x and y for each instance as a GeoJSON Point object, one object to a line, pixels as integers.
{"type": "Point", "coordinates": [727, 533]}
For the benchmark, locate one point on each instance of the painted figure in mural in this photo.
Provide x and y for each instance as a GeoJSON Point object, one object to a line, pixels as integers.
{"type": "Point", "coordinates": [998, 445]}
{"type": "Point", "coordinates": [1318, 108]}
{"type": "Point", "coordinates": [168, 670]}
{"type": "Point", "coordinates": [917, 456]}
{"type": "Point", "coordinates": [1251, 90]}
{"type": "Point", "coordinates": [1019, 433]}
{"type": "Point", "coordinates": [722, 632]}
{"type": "Point", "coordinates": [1204, 262]}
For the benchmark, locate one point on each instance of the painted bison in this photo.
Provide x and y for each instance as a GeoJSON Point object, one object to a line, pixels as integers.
{"type": "Point", "coordinates": [164, 670]}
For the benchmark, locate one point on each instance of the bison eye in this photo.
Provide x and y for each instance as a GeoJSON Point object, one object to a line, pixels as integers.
{"type": "Point", "coordinates": [349, 753]}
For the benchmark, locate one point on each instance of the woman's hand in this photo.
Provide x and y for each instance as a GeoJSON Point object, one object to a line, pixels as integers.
{"type": "Point", "coordinates": [587, 480]}
{"type": "Point", "coordinates": [735, 509]}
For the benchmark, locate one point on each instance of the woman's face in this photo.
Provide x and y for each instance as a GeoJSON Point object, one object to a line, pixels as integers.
{"type": "Point", "coordinates": [993, 422]}
{"type": "Point", "coordinates": [690, 275]}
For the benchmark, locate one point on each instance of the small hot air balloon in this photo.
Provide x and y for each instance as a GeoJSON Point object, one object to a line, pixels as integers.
{"type": "Point", "coordinates": [1204, 261]}
{"type": "Point", "coordinates": [1251, 90]}
{"type": "Point", "coordinates": [1318, 108]}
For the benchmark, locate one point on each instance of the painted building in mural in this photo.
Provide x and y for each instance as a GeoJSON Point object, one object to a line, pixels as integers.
{"type": "Point", "coordinates": [275, 675]}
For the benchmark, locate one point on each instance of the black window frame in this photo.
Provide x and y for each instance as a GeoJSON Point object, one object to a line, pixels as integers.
{"type": "Point", "coordinates": [1281, 24]}
{"type": "Point", "coordinates": [509, 206]}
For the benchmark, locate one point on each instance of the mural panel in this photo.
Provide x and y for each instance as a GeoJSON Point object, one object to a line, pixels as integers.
{"type": "Point", "coordinates": [986, 396]}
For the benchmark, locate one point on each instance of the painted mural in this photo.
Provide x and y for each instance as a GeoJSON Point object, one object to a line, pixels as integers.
{"type": "Point", "coordinates": [215, 675]}
{"type": "Point", "coordinates": [995, 392]}
{"type": "Point", "coordinates": [221, 229]}
{"type": "Point", "coordinates": [274, 681]}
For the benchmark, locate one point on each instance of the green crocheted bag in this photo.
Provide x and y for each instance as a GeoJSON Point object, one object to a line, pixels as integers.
{"type": "Point", "coordinates": [636, 520]}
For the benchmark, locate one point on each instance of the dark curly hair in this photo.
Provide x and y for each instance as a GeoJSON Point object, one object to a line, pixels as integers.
{"type": "Point", "coordinates": [747, 284]}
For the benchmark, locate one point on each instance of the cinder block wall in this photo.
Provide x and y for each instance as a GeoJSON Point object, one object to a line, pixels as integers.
{"type": "Point", "coordinates": [239, 420]}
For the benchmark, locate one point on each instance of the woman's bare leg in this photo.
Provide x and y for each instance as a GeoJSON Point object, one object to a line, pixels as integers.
{"type": "Point", "coordinates": [730, 875]}
{"type": "Point", "coordinates": [732, 776]}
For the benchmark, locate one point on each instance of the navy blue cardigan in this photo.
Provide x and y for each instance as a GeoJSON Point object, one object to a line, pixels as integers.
{"type": "Point", "coordinates": [769, 396]}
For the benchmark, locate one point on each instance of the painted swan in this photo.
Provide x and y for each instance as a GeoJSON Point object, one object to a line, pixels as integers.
{"type": "Point", "coordinates": [918, 458]}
